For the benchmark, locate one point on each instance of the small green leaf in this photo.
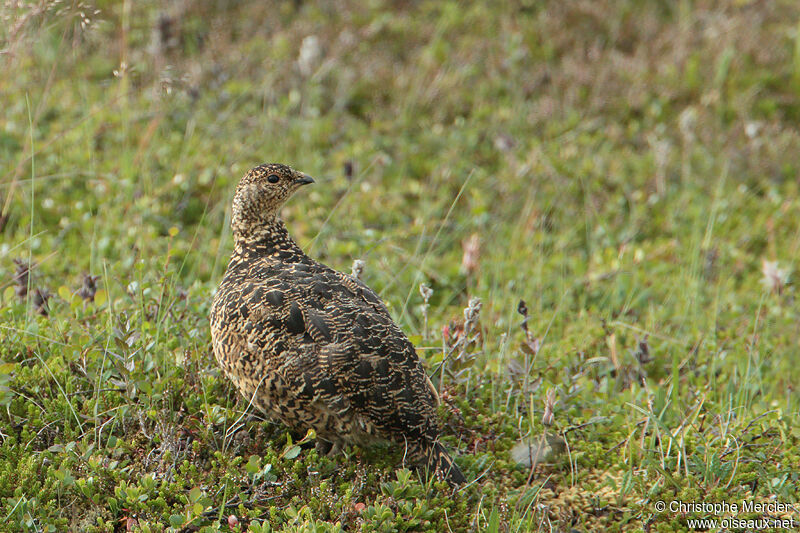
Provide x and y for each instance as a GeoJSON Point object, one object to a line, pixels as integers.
{"type": "Point", "coordinates": [253, 464]}
{"type": "Point", "coordinates": [416, 340]}
{"type": "Point", "coordinates": [100, 297]}
{"type": "Point", "coordinates": [292, 452]}
{"type": "Point", "coordinates": [64, 293]}
{"type": "Point", "coordinates": [8, 294]}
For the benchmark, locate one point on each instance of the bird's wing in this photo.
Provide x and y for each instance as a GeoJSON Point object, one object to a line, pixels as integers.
{"type": "Point", "coordinates": [333, 338]}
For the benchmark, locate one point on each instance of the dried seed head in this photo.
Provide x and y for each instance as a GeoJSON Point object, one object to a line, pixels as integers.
{"type": "Point", "coordinates": [642, 352]}
{"type": "Point", "coordinates": [40, 298]}
{"type": "Point", "coordinates": [775, 278]}
{"type": "Point", "coordinates": [522, 309]}
{"type": "Point", "coordinates": [21, 278]}
{"type": "Point", "coordinates": [471, 248]}
{"type": "Point", "coordinates": [358, 268]}
{"type": "Point", "coordinates": [88, 288]}
{"type": "Point", "coordinates": [549, 403]}
{"type": "Point", "coordinates": [473, 310]}
{"type": "Point", "coordinates": [309, 56]}
{"type": "Point", "coordinates": [426, 292]}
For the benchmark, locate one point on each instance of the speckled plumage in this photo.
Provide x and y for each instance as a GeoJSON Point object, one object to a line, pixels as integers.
{"type": "Point", "coordinates": [313, 347]}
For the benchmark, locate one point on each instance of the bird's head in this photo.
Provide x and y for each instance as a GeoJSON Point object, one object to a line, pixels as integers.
{"type": "Point", "coordinates": [261, 193]}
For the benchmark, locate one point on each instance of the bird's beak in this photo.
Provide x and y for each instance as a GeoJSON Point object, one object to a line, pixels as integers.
{"type": "Point", "coordinates": [304, 179]}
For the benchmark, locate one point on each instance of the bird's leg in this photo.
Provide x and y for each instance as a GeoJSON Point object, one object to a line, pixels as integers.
{"type": "Point", "coordinates": [328, 448]}
{"type": "Point", "coordinates": [336, 449]}
{"type": "Point", "coordinates": [323, 447]}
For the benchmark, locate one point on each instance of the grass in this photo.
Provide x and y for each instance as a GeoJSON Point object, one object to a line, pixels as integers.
{"type": "Point", "coordinates": [628, 169]}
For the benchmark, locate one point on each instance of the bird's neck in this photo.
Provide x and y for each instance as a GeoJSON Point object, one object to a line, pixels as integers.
{"type": "Point", "coordinates": [268, 238]}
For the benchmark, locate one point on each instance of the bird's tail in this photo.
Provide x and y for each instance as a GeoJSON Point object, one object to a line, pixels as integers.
{"type": "Point", "coordinates": [440, 461]}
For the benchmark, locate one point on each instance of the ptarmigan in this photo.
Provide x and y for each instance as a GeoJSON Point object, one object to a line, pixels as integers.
{"type": "Point", "coordinates": [312, 347]}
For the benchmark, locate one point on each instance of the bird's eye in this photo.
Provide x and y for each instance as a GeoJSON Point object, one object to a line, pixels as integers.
{"type": "Point", "coordinates": [273, 178]}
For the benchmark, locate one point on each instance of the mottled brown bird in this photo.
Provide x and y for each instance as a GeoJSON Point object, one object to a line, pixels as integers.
{"type": "Point", "coordinates": [312, 347]}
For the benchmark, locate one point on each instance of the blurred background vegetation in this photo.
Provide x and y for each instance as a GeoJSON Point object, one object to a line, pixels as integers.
{"type": "Point", "coordinates": [628, 169]}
